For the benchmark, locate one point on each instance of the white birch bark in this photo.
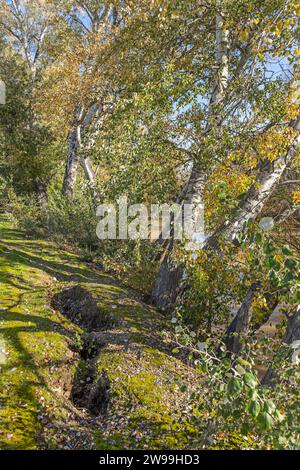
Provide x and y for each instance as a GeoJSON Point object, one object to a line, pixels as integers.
{"type": "Point", "coordinates": [266, 182]}
{"type": "Point", "coordinates": [167, 284]}
{"type": "Point", "coordinates": [74, 157]}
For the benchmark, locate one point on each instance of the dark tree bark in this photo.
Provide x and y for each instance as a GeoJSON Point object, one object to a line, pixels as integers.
{"type": "Point", "coordinates": [166, 288]}
{"type": "Point", "coordinates": [41, 194]}
{"type": "Point", "coordinates": [292, 334]}
{"type": "Point", "coordinates": [167, 285]}
{"type": "Point", "coordinates": [240, 323]}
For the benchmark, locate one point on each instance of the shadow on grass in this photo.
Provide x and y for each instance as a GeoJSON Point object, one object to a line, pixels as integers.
{"type": "Point", "coordinates": [24, 371]}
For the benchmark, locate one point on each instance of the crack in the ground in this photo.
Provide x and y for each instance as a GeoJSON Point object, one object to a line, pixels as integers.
{"type": "Point", "coordinates": [91, 388]}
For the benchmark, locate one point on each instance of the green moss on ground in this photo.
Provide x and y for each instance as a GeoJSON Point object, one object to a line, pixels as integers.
{"type": "Point", "coordinates": [38, 365]}
{"type": "Point", "coordinates": [146, 399]}
{"type": "Point", "coordinates": [34, 341]}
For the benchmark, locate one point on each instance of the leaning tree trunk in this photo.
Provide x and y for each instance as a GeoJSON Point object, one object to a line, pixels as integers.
{"type": "Point", "coordinates": [167, 285]}
{"type": "Point", "coordinates": [251, 206]}
{"type": "Point", "coordinates": [292, 334]}
{"type": "Point", "coordinates": [233, 339]}
{"type": "Point", "coordinates": [266, 182]}
{"type": "Point", "coordinates": [241, 322]}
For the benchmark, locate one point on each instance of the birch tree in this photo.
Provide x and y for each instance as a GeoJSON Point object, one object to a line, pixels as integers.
{"type": "Point", "coordinates": [93, 22]}
{"type": "Point", "coordinates": [228, 98]}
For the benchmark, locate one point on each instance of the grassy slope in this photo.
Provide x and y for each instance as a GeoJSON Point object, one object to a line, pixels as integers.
{"type": "Point", "coordinates": [37, 365]}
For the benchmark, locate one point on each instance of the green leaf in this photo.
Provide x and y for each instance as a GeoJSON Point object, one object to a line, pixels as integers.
{"type": "Point", "coordinates": [252, 394]}
{"type": "Point", "coordinates": [240, 369]}
{"type": "Point", "coordinates": [254, 408]}
{"type": "Point", "coordinates": [234, 386]}
{"type": "Point", "coordinates": [290, 263]}
{"type": "Point", "coordinates": [245, 429]}
{"type": "Point", "coordinates": [288, 278]}
{"type": "Point", "coordinates": [297, 296]}
{"type": "Point", "coordinates": [269, 406]}
{"type": "Point", "coordinates": [250, 380]}
{"type": "Point", "coordinates": [258, 237]}
{"type": "Point", "coordinates": [275, 265]}
{"type": "Point", "coordinates": [268, 248]}
{"type": "Point", "coordinates": [273, 276]}
{"type": "Point", "coordinates": [244, 362]}
{"type": "Point", "coordinates": [265, 420]}
{"type": "Point", "coordinates": [271, 262]}
{"type": "Point", "coordinates": [286, 250]}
